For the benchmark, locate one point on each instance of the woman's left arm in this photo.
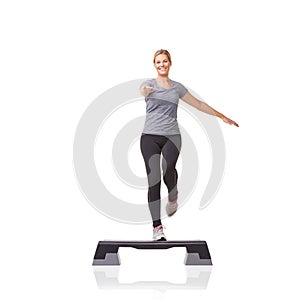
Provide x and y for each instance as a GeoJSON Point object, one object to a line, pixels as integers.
{"type": "Point", "coordinates": [202, 106]}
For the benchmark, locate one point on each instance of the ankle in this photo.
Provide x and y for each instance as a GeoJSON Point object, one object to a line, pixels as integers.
{"type": "Point", "coordinates": [173, 200]}
{"type": "Point", "coordinates": [157, 227]}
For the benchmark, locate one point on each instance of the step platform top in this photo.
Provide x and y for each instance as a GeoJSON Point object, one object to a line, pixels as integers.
{"type": "Point", "coordinates": [151, 244]}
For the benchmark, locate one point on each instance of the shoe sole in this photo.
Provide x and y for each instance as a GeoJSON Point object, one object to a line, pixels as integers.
{"type": "Point", "coordinates": [170, 215]}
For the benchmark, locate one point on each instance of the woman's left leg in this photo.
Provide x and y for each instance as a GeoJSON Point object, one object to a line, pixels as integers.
{"type": "Point", "coordinates": [170, 152]}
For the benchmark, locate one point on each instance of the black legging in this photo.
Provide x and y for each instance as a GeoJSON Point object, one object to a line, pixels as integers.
{"type": "Point", "coordinates": [152, 146]}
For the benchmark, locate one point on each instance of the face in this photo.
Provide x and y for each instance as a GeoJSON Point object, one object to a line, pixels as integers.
{"type": "Point", "coordinates": [162, 64]}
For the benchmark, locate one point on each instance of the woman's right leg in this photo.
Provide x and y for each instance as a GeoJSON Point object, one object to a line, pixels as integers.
{"type": "Point", "coordinates": [151, 151]}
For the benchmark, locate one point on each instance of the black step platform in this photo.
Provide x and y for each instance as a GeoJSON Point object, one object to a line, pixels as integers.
{"type": "Point", "coordinates": [107, 251]}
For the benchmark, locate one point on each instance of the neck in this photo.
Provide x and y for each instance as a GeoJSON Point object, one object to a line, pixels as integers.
{"type": "Point", "coordinates": [163, 78]}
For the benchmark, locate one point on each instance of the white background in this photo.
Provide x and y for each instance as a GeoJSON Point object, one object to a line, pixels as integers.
{"type": "Point", "coordinates": [242, 57]}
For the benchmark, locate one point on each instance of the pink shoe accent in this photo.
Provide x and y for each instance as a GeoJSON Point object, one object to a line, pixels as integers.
{"type": "Point", "coordinates": [158, 227]}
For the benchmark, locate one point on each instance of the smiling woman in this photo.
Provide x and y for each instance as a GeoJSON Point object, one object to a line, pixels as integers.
{"type": "Point", "coordinates": [161, 135]}
{"type": "Point", "coordinates": [162, 62]}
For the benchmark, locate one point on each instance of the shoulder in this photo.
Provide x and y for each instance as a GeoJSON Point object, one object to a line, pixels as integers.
{"type": "Point", "coordinates": [176, 83]}
{"type": "Point", "coordinates": [149, 82]}
{"type": "Point", "coordinates": [181, 89]}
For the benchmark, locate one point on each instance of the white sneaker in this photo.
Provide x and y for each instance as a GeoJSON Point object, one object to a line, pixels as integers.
{"type": "Point", "coordinates": [158, 233]}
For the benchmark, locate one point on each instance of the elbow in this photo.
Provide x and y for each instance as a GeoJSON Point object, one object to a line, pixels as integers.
{"type": "Point", "coordinates": [199, 105]}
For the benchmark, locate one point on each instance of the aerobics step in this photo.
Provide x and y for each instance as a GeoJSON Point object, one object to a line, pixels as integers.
{"type": "Point", "coordinates": [107, 251]}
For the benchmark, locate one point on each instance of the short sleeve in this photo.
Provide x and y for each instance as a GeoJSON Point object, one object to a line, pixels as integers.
{"type": "Point", "coordinates": [147, 82]}
{"type": "Point", "coordinates": [181, 89]}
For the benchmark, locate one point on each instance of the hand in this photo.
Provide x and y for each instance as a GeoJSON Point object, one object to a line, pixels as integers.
{"type": "Point", "coordinates": [146, 90]}
{"type": "Point", "coordinates": [229, 121]}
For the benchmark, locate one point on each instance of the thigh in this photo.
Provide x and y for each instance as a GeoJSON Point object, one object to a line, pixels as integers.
{"type": "Point", "coordinates": [151, 152]}
{"type": "Point", "coordinates": [171, 149]}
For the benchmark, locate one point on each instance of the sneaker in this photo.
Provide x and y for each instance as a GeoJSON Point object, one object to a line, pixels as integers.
{"type": "Point", "coordinates": [158, 233]}
{"type": "Point", "coordinates": [171, 207]}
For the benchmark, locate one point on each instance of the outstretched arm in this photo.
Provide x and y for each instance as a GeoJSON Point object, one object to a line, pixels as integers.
{"type": "Point", "coordinates": [202, 106]}
{"type": "Point", "coordinates": [146, 90]}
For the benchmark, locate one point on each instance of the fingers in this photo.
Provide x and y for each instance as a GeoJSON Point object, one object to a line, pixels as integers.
{"type": "Point", "coordinates": [230, 122]}
{"type": "Point", "coordinates": [149, 88]}
{"type": "Point", "coordinates": [234, 123]}
{"type": "Point", "coordinates": [146, 90]}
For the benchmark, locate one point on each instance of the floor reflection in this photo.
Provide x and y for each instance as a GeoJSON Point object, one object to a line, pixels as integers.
{"type": "Point", "coordinates": [197, 277]}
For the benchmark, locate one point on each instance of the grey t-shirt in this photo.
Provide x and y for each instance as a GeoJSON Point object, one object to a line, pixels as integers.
{"type": "Point", "coordinates": [161, 108]}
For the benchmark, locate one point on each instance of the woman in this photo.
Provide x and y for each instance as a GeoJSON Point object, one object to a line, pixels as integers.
{"type": "Point", "coordinates": [161, 135]}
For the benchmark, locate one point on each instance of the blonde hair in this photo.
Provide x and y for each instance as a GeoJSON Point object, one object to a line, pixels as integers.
{"type": "Point", "coordinates": [162, 51]}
